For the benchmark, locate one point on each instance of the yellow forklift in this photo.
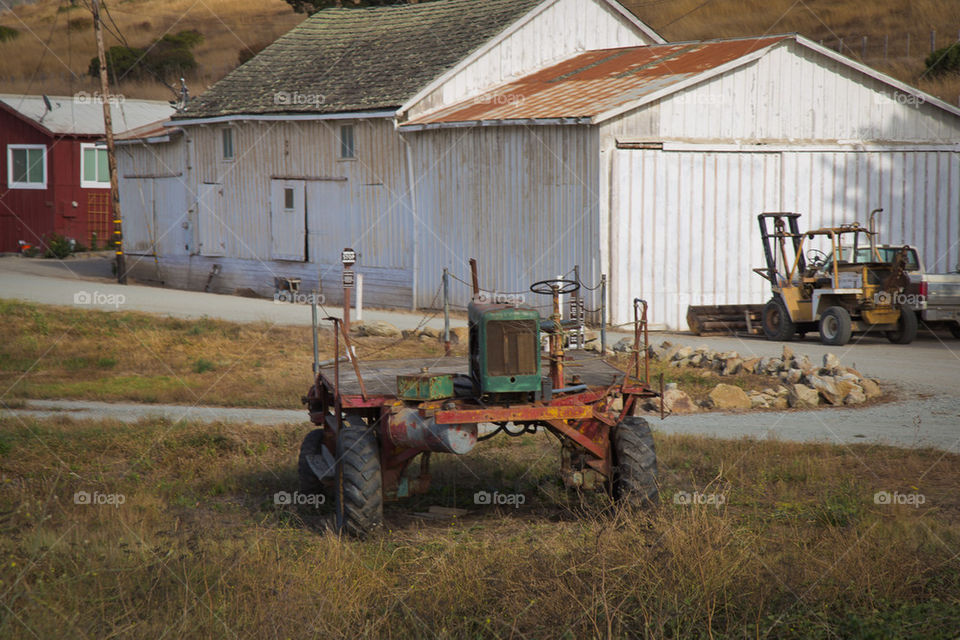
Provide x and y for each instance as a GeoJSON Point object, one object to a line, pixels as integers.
{"type": "Point", "coordinates": [853, 288]}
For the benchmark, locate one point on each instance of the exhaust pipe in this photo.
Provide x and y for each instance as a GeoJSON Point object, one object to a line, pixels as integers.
{"type": "Point", "coordinates": [873, 233]}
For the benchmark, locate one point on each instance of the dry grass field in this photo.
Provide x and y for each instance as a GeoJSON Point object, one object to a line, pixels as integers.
{"type": "Point", "coordinates": [67, 353]}
{"type": "Point", "coordinates": [26, 65]}
{"type": "Point", "coordinates": [153, 530]}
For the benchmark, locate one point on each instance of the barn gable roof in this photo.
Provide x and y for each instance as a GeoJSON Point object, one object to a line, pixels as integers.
{"type": "Point", "coordinates": [347, 60]}
{"type": "Point", "coordinates": [594, 86]}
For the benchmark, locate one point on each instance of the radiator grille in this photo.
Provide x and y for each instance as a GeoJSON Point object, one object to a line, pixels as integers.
{"type": "Point", "coordinates": [512, 347]}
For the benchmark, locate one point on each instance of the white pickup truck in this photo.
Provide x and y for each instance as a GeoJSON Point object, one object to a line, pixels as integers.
{"type": "Point", "coordinates": [935, 297]}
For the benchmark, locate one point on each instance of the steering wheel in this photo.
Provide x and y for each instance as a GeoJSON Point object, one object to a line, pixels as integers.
{"type": "Point", "coordinates": [547, 287]}
{"type": "Point", "coordinates": [816, 257]}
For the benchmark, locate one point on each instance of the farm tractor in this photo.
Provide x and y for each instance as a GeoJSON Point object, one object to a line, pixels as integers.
{"type": "Point", "coordinates": [853, 288]}
{"type": "Point", "coordinates": [373, 421]}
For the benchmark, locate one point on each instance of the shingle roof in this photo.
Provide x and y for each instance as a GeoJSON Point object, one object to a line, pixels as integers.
{"type": "Point", "coordinates": [596, 82]}
{"type": "Point", "coordinates": [341, 60]}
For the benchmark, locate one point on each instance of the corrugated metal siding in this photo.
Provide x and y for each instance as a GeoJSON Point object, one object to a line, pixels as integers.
{"type": "Point", "coordinates": [565, 27]}
{"type": "Point", "coordinates": [794, 93]}
{"type": "Point", "coordinates": [919, 192]}
{"type": "Point", "coordinates": [154, 197]}
{"type": "Point", "coordinates": [310, 149]}
{"type": "Point", "coordinates": [522, 200]}
{"type": "Point", "coordinates": [684, 230]}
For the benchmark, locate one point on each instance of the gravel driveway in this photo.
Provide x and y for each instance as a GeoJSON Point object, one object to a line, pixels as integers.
{"type": "Point", "coordinates": [924, 376]}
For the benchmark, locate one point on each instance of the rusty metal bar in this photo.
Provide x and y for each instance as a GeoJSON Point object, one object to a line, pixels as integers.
{"type": "Point", "coordinates": [473, 277]}
{"type": "Point", "coordinates": [338, 418]}
{"type": "Point", "coordinates": [662, 416]}
{"type": "Point", "coordinates": [640, 328]}
{"type": "Point", "coordinates": [514, 414]}
{"type": "Point", "coordinates": [578, 437]}
{"type": "Point", "coordinates": [353, 361]}
{"type": "Point", "coordinates": [556, 342]}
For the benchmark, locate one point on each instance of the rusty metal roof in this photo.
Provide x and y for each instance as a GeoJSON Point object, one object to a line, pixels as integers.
{"type": "Point", "coordinates": [596, 82]}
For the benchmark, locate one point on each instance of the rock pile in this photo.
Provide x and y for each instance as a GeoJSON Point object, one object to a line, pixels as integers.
{"type": "Point", "coordinates": [797, 382]}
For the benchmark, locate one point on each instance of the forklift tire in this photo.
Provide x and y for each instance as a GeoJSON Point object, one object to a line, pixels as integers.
{"type": "Point", "coordinates": [359, 485]}
{"type": "Point", "coordinates": [955, 330]}
{"type": "Point", "coordinates": [634, 463]}
{"type": "Point", "coordinates": [310, 484]}
{"type": "Point", "coordinates": [835, 326]}
{"type": "Point", "coordinates": [906, 330]}
{"type": "Point", "coordinates": [777, 324]}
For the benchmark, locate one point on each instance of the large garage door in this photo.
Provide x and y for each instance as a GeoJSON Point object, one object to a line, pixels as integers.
{"type": "Point", "coordinates": [683, 229]}
{"type": "Point", "coordinates": [683, 223]}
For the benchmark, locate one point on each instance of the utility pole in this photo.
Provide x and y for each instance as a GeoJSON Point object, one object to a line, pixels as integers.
{"type": "Point", "coordinates": [111, 154]}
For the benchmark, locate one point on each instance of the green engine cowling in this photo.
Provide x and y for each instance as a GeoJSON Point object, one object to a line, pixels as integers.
{"type": "Point", "coordinates": [505, 350]}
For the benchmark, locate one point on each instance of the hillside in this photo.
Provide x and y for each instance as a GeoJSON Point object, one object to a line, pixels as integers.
{"type": "Point", "coordinates": [232, 27]}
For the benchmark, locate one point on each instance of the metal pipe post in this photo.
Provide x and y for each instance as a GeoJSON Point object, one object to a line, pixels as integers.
{"type": "Point", "coordinates": [316, 344]}
{"type": "Point", "coordinates": [603, 313]}
{"type": "Point", "coordinates": [446, 311]}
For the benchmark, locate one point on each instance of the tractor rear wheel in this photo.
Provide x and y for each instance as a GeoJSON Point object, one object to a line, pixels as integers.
{"type": "Point", "coordinates": [906, 330]}
{"type": "Point", "coordinates": [634, 463]}
{"type": "Point", "coordinates": [835, 326]}
{"type": "Point", "coordinates": [359, 483]}
{"type": "Point", "coordinates": [312, 444]}
{"type": "Point", "coordinates": [777, 324]}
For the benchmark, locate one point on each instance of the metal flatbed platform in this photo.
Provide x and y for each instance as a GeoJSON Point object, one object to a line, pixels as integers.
{"type": "Point", "coordinates": [380, 376]}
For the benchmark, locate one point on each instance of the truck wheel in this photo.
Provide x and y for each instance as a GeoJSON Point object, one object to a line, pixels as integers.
{"type": "Point", "coordinates": [777, 324]}
{"type": "Point", "coordinates": [835, 326]}
{"type": "Point", "coordinates": [310, 484]}
{"type": "Point", "coordinates": [906, 329]}
{"type": "Point", "coordinates": [955, 330]}
{"type": "Point", "coordinates": [634, 463]}
{"type": "Point", "coordinates": [359, 486]}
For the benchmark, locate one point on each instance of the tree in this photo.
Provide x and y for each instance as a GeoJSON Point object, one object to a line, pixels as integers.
{"type": "Point", "coordinates": [166, 59]}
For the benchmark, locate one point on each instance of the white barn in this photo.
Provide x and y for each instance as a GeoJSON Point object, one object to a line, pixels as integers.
{"type": "Point", "coordinates": [550, 134]}
{"type": "Point", "coordinates": [295, 155]}
{"type": "Point", "coordinates": [664, 155]}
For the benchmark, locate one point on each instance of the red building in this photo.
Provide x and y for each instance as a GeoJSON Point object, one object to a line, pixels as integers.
{"type": "Point", "coordinates": [53, 164]}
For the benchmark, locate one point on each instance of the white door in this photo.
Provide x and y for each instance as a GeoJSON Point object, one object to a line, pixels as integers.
{"type": "Point", "coordinates": [288, 220]}
{"type": "Point", "coordinates": [211, 229]}
{"type": "Point", "coordinates": [139, 216]}
{"type": "Point", "coordinates": [329, 221]}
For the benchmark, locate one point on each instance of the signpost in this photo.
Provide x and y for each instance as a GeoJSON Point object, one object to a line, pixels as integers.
{"type": "Point", "coordinates": [348, 257]}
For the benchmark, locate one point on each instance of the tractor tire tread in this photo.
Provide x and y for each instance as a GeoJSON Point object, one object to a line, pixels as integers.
{"type": "Point", "coordinates": [635, 458]}
{"type": "Point", "coordinates": [362, 482]}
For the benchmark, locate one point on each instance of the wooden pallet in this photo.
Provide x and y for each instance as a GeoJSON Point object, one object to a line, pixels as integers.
{"type": "Point", "coordinates": [725, 320]}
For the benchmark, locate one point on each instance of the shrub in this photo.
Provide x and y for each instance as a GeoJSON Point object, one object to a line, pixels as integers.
{"type": "Point", "coordinates": [8, 33]}
{"type": "Point", "coordinates": [59, 246]}
{"type": "Point", "coordinates": [945, 60]}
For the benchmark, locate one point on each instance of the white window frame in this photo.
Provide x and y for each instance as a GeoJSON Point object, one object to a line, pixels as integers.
{"type": "Point", "coordinates": [233, 144]}
{"type": "Point", "coordinates": [340, 142]}
{"type": "Point", "coordinates": [92, 184]}
{"type": "Point", "coordinates": [25, 185]}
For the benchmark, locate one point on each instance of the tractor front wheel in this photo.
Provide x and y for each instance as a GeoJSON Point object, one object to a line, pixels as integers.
{"type": "Point", "coordinates": [634, 463]}
{"type": "Point", "coordinates": [359, 483]}
{"type": "Point", "coordinates": [835, 326]}
{"type": "Point", "coordinates": [906, 330]}
{"type": "Point", "coordinates": [777, 324]}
